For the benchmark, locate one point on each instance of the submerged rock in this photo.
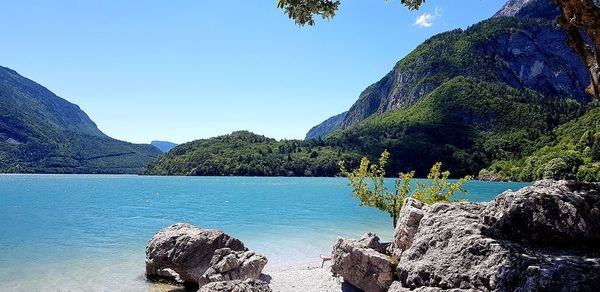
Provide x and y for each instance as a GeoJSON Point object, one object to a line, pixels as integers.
{"type": "Point", "coordinates": [363, 263]}
{"type": "Point", "coordinates": [186, 254]}
{"type": "Point", "coordinates": [540, 238]}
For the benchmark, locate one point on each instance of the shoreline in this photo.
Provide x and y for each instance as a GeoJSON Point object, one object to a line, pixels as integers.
{"type": "Point", "coordinates": [307, 277]}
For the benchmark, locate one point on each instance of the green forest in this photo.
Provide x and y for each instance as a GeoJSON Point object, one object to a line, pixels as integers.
{"type": "Point", "coordinates": [243, 153]}
{"type": "Point", "coordinates": [467, 124]}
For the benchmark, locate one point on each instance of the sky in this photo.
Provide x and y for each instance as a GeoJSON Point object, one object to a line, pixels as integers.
{"type": "Point", "coordinates": [180, 70]}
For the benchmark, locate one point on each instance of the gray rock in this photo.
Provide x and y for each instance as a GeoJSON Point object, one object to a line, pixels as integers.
{"type": "Point", "coordinates": [408, 223]}
{"type": "Point", "coordinates": [521, 241]}
{"type": "Point", "coordinates": [227, 265]}
{"type": "Point", "coordinates": [397, 287]}
{"type": "Point", "coordinates": [546, 9]}
{"type": "Point", "coordinates": [325, 127]}
{"type": "Point", "coordinates": [182, 253]}
{"type": "Point", "coordinates": [249, 285]}
{"type": "Point", "coordinates": [362, 263]}
{"type": "Point", "coordinates": [562, 212]}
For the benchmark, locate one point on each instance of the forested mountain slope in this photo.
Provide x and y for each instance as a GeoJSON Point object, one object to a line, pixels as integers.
{"type": "Point", "coordinates": [521, 46]}
{"type": "Point", "coordinates": [43, 133]}
{"type": "Point", "coordinates": [247, 154]}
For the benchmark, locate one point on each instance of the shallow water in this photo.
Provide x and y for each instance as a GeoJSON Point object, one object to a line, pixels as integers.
{"type": "Point", "coordinates": [89, 232]}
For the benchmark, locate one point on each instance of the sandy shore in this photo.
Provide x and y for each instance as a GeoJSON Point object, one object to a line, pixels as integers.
{"type": "Point", "coordinates": [305, 278]}
{"type": "Point", "coordinates": [299, 278]}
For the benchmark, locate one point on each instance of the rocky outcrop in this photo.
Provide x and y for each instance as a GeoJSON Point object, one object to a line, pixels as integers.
{"type": "Point", "coordinates": [228, 264]}
{"type": "Point", "coordinates": [546, 9]}
{"type": "Point", "coordinates": [540, 238]}
{"type": "Point", "coordinates": [363, 263]}
{"type": "Point", "coordinates": [186, 254]}
{"type": "Point", "coordinates": [326, 127]}
{"type": "Point", "coordinates": [545, 237]}
{"type": "Point", "coordinates": [249, 285]}
{"type": "Point", "coordinates": [558, 213]}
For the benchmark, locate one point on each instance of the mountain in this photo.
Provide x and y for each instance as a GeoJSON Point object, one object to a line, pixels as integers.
{"type": "Point", "coordinates": [163, 146]}
{"type": "Point", "coordinates": [525, 49]}
{"type": "Point", "coordinates": [243, 153]}
{"type": "Point", "coordinates": [326, 127]}
{"type": "Point", "coordinates": [43, 133]}
{"type": "Point", "coordinates": [529, 9]}
{"type": "Point", "coordinates": [493, 93]}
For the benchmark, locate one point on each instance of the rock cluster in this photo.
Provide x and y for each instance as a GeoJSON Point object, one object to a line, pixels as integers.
{"type": "Point", "coordinates": [227, 265]}
{"type": "Point", "coordinates": [541, 238]}
{"type": "Point", "coordinates": [186, 254]}
{"type": "Point", "coordinates": [363, 263]}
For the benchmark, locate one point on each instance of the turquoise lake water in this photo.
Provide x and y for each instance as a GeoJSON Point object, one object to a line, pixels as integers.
{"type": "Point", "coordinates": [89, 232]}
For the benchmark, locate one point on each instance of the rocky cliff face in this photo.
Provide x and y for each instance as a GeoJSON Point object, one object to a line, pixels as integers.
{"type": "Point", "coordinates": [529, 8]}
{"type": "Point", "coordinates": [530, 52]}
{"type": "Point", "coordinates": [322, 129]}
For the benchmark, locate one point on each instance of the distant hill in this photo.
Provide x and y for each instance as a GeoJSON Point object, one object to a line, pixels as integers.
{"type": "Point", "coordinates": [43, 133]}
{"type": "Point", "coordinates": [244, 153]}
{"type": "Point", "coordinates": [163, 146]}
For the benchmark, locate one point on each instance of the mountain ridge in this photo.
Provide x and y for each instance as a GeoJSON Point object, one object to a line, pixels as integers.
{"type": "Point", "coordinates": [537, 58]}
{"type": "Point", "coordinates": [41, 132]}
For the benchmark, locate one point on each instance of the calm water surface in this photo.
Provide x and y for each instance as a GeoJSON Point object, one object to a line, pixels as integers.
{"type": "Point", "coordinates": [89, 232]}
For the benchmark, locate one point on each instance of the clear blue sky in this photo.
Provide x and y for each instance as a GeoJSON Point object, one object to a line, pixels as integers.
{"type": "Point", "coordinates": [188, 69]}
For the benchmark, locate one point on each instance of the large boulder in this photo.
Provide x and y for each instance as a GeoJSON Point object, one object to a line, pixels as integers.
{"type": "Point", "coordinates": [186, 254]}
{"type": "Point", "coordinates": [540, 238]}
{"type": "Point", "coordinates": [363, 263]}
{"type": "Point", "coordinates": [563, 212]}
{"type": "Point", "coordinates": [249, 285]}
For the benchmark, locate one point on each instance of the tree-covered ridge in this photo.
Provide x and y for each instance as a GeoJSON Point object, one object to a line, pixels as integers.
{"type": "Point", "coordinates": [465, 123]}
{"type": "Point", "coordinates": [43, 133]}
{"type": "Point", "coordinates": [571, 151]}
{"type": "Point", "coordinates": [244, 153]}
